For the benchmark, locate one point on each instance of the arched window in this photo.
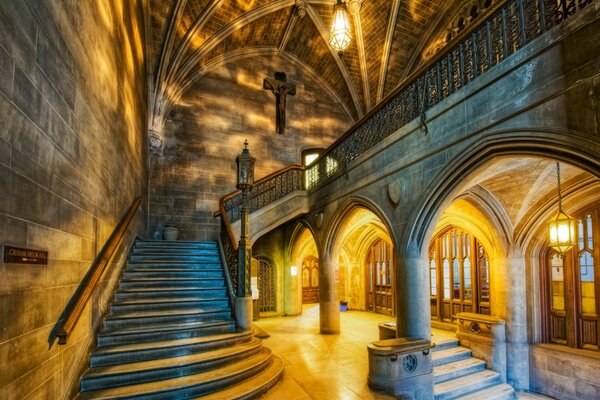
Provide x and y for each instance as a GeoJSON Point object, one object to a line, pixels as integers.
{"type": "Point", "coordinates": [459, 275]}
{"type": "Point", "coordinates": [266, 285]}
{"type": "Point", "coordinates": [571, 284]}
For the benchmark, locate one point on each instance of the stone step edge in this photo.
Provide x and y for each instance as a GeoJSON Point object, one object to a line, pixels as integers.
{"type": "Point", "coordinates": [171, 363]}
{"type": "Point", "coordinates": [254, 387]}
{"type": "Point", "coordinates": [490, 393]}
{"type": "Point", "coordinates": [164, 313]}
{"type": "Point", "coordinates": [164, 344]}
{"type": "Point", "coordinates": [158, 389]}
{"type": "Point", "coordinates": [165, 327]}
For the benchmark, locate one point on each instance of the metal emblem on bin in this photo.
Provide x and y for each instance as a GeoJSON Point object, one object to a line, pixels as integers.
{"type": "Point", "coordinates": [409, 362]}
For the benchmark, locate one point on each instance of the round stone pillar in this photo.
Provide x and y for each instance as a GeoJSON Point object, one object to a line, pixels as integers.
{"type": "Point", "coordinates": [413, 315]}
{"type": "Point", "coordinates": [329, 301]}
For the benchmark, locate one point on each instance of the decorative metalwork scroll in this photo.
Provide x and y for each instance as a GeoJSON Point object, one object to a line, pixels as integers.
{"type": "Point", "coordinates": [231, 255]}
{"type": "Point", "coordinates": [266, 191]}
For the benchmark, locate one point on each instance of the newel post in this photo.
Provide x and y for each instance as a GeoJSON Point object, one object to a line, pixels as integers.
{"type": "Point", "coordinates": [245, 182]}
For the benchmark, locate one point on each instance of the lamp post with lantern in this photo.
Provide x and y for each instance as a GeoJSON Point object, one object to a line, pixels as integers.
{"type": "Point", "coordinates": [245, 182]}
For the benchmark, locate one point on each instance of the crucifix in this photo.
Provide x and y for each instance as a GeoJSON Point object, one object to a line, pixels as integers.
{"type": "Point", "coordinates": [280, 89]}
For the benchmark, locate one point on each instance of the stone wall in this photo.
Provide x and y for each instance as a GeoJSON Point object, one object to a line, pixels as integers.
{"type": "Point", "coordinates": [564, 373]}
{"type": "Point", "coordinates": [73, 110]}
{"type": "Point", "coordinates": [206, 131]}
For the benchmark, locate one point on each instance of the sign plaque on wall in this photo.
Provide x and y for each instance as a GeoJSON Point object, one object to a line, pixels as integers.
{"type": "Point", "coordinates": [18, 255]}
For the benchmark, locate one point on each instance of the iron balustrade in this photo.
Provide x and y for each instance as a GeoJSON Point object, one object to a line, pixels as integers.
{"type": "Point", "coordinates": [508, 27]}
{"type": "Point", "coordinates": [266, 191]}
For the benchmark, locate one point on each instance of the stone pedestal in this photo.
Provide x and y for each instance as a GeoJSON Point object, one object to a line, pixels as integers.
{"type": "Point", "coordinates": [243, 312]}
{"type": "Point", "coordinates": [402, 367]}
{"type": "Point", "coordinates": [486, 337]}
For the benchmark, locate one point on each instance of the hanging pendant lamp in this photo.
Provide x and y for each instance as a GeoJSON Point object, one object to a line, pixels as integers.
{"type": "Point", "coordinates": [340, 28]}
{"type": "Point", "coordinates": [562, 227]}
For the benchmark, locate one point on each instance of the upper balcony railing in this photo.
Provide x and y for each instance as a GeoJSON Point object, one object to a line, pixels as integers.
{"type": "Point", "coordinates": [497, 34]}
{"type": "Point", "coordinates": [500, 32]}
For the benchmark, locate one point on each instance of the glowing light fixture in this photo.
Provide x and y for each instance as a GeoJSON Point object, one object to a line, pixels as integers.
{"type": "Point", "coordinates": [340, 29]}
{"type": "Point", "coordinates": [562, 227]}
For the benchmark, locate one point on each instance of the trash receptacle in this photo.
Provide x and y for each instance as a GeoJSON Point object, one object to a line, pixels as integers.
{"type": "Point", "coordinates": [402, 367]}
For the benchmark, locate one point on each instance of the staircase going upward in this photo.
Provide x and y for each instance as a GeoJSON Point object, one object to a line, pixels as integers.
{"type": "Point", "coordinates": [170, 333]}
{"type": "Point", "coordinates": [459, 375]}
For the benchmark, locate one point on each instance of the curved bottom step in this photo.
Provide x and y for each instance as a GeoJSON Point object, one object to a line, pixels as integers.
{"type": "Point", "coordinates": [251, 388]}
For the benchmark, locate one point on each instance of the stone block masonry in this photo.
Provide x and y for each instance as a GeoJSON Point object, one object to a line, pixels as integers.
{"type": "Point", "coordinates": [207, 129]}
{"type": "Point", "coordinates": [72, 159]}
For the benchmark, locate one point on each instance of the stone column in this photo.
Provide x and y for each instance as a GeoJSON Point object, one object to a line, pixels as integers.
{"type": "Point", "coordinates": [329, 301]}
{"type": "Point", "coordinates": [517, 348]}
{"type": "Point", "coordinates": [412, 294]}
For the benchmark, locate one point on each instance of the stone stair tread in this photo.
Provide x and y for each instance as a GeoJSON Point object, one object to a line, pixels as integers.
{"type": "Point", "coordinates": [162, 313]}
{"type": "Point", "coordinates": [464, 383]}
{"type": "Point", "coordinates": [497, 392]}
{"type": "Point", "coordinates": [449, 352]}
{"type": "Point", "coordinates": [455, 368]}
{"type": "Point", "coordinates": [171, 270]}
{"type": "Point", "coordinates": [166, 327]}
{"type": "Point", "coordinates": [156, 388]}
{"type": "Point", "coordinates": [170, 343]}
{"type": "Point", "coordinates": [444, 344]}
{"type": "Point", "coordinates": [167, 288]}
{"type": "Point", "coordinates": [169, 300]}
{"type": "Point", "coordinates": [152, 279]}
{"type": "Point", "coordinates": [252, 387]}
{"type": "Point", "coordinates": [172, 362]}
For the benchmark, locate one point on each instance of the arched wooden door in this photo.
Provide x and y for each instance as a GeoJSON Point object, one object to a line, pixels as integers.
{"type": "Point", "coordinates": [310, 280]}
{"type": "Point", "coordinates": [459, 273]}
{"type": "Point", "coordinates": [380, 288]}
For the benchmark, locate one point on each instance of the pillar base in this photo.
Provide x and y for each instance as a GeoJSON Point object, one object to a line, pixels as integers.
{"type": "Point", "coordinates": [402, 367]}
{"type": "Point", "coordinates": [243, 312]}
{"type": "Point", "coordinates": [329, 313]}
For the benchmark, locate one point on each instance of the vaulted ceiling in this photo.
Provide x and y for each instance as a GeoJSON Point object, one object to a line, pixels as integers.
{"type": "Point", "coordinates": [391, 38]}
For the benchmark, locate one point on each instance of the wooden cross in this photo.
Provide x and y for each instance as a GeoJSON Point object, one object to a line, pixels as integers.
{"type": "Point", "coordinates": [280, 89]}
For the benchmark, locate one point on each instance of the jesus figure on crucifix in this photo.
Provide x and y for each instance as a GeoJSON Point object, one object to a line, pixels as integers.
{"type": "Point", "coordinates": [280, 89]}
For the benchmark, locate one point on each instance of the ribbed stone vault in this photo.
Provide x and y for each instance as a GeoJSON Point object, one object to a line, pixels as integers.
{"type": "Point", "coordinates": [392, 38]}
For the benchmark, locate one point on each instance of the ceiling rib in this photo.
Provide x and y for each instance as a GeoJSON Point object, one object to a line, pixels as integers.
{"type": "Point", "coordinates": [196, 27]}
{"type": "Point", "coordinates": [261, 11]}
{"type": "Point", "coordinates": [165, 54]}
{"type": "Point", "coordinates": [288, 31]}
{"type": "Point", "coordinates": [387, 46]}
{"type": "Point", "coordinates": [362, 60]}
{"type": "Point", "coordinates": [316, 20]}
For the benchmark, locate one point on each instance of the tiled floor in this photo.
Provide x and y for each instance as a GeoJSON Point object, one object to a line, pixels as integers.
{"type": "Point", "coordinates": [323, 366]}
{"type": "Point", "coordinates": [326, 367]}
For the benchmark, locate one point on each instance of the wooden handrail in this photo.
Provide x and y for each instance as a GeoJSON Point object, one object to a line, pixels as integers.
{"type": "Point", "coordinates": [89, 282]}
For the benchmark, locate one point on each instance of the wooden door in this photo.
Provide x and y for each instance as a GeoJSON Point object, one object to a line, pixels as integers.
{"type": "Point", "coordinates": [459, 275]}
{"type": "Point", "coordinates": [380, 288]}
{"type": "Point", "coordinates": [310, 280]}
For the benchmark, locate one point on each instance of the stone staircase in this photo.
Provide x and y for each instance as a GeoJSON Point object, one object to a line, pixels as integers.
{"type": "Point", "coordinates": [170, 333]}
{"type": "Point", "coordinates": [459, 375]}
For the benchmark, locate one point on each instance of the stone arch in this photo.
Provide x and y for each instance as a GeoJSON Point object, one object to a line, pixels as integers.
{"type": "Point", "coordinates": [515, 271]}
{"type": "Point", "coordinates": [331, 244]}
{"type": "Point", "coordinates": [563, 147]}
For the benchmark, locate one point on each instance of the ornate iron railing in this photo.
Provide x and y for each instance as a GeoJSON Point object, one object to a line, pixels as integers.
{"type": "Point", "coordinates": [265, 191]}
{"type": "Point", "coordinates": [503, 30]}
{"type": "Point", "coordinates": [230, 253]}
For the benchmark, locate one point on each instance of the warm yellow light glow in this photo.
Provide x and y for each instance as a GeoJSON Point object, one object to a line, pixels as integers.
{"type": "Point", "coordinates": [562, 232]}
{"type": "Point", "coordinates": [340, 29]}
